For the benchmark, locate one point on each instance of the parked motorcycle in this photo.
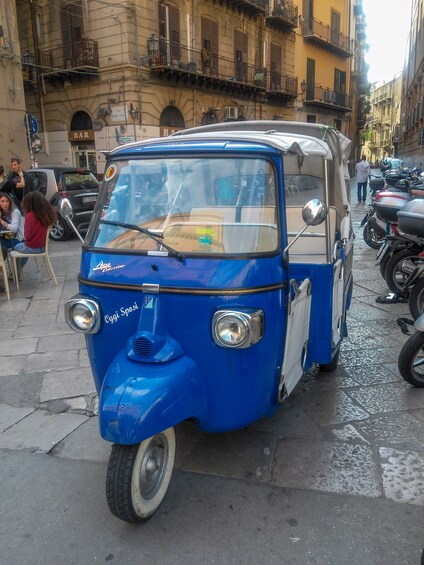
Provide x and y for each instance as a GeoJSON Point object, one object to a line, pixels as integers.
{"type": "Point", "coordinates": [411, 357]}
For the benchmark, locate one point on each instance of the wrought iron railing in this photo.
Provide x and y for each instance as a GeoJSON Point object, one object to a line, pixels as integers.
{"type": "Point", "coordinates": [82, 53]}
{"type": "Point", "coordinates": [325, 95]}
{"type": "Point", "coordinates": [176, 56]}
{"type": "Point", "coordinates": [284, 10]}
{"type": "Point", "coordinates": [283, 84]}
{"type": "Point", "coordinates": [314, 28]}
{"type": "Point", "coordinates": [168, 55]}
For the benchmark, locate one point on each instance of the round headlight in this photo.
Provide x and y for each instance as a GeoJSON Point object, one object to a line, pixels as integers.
{"type": "Point", "coordinates": [82, 315]}
{"type": "Point", "coordinates": [232, 330]}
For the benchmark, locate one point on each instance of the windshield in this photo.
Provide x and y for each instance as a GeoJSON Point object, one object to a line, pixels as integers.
{"type": "Point", "coordinates": [192, 205]}
{"type": "Point", "coordinates": [77, 181]}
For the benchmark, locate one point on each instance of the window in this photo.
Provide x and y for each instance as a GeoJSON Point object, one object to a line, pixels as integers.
{"type": "Point", "coordinates": [310, 79]}
{"type": "Point", "coordinates": [275, 66]}
{"type": "Point", "coordinates": [240, 55]}
{"type": "Point", "coordinates": [169, 28]}
{"type": "Point", "coordinates": [72, 31]}
{"type": "Point", "coordinates": [311, 119]}
{"type": "Point", "coordinates": [210, 46]}
{"type": "Point", "coordinates": [335, 28]}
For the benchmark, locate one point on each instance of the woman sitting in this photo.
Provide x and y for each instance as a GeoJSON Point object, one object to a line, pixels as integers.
{"type": "Point", "coordinates": [11, 221]}
{"type": "Point", "coordinates": [39, 215]}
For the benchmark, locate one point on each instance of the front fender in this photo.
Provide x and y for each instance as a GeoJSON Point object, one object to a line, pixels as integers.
{"type": "Point", "coordinates": [139, 400]}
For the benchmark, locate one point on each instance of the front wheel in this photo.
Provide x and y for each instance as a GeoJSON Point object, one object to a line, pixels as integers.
{"type": "Point", "coordinates": [394, 276]}
{"type": "Point", "coordinates": [138, 476]}
{"type": "Point", "coordinates": [372, 238]}
{"type": "Point", "coordinates": [411, 360]}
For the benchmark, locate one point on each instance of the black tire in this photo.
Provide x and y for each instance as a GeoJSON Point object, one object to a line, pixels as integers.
{"type": "Point", "coordinates": [332, 365]}
{"type": "Point", "coordinates": [60, 230]}
{"type": "Point", "coordinates": [371, 238]}
{"type": "Point", "coordinates": [383, 264]}
{"type": "Point", "coordinates": [411, 360]}
{"type": "Point", "coordinates": [138, 476]}
{"type": "Point", "coordinates": [393, 274]}
{"type": "Point", "coordinates": [416, 299]}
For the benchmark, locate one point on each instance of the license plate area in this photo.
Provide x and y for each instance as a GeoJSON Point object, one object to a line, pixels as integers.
{"type": "Point", "coordinates": [88, 199]}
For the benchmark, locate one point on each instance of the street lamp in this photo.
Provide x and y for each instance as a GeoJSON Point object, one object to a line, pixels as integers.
{"type": "Point", "coordinates": [153, 49]}
{"type": "Point", "coordinates": [28, 61]}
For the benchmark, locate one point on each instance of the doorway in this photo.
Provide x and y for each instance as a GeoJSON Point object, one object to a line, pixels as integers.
{"type": "Point", "coordinates": [84, 157]}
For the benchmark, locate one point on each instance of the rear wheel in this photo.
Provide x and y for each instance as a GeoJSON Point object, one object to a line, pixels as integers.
{"type": "Point", "coordinates": [411, 360]}
{"type": "Point", "coordinates": [394, 276]}
{"type": "Point", "coordinates": [60, 230]}
{"type": "Point", "coordinates": [332, 365]}
{"type": "Point", "coordinates": [416, 299]}
{"type": "Point", "coordinates": [138, 476]}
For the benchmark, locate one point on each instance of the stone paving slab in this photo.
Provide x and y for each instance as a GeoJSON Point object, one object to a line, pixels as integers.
{"type": "Point", "coordinates": [403, 478]}
{"type": "Point", "coordinates": [40, 431]}
{"type": "Point", "coordinates": [13, 347]}
{"type": "Point", "coordinates": [67, 384]}
{"type": "Point", "coordinates": [241, 454]}
{"type": "Point", "coordinates": [61, 343]}
{"type": "Point", "coordinates": [12, 365]}
{"type": "Point", "coordinates": [11, 415]}
{"type": "Point", "coordinates": [85, 444]}
{"type": "Point", "coordinates": [51, 361]}
{"type": "Point", "coordinates": [327, 466]}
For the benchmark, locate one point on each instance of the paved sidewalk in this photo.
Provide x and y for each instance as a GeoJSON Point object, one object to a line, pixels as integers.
{"type": "Point", "coordinates": [357, 432]}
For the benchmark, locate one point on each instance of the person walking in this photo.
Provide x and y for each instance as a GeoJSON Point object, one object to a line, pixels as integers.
{"type": "Point", "coordinates": [362, 170]}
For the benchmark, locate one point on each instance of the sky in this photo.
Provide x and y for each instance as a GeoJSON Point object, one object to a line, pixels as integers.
{"type": "Point", "coordinates": [388, 25]}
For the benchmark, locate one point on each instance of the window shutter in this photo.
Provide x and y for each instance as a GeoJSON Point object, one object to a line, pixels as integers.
{"type": "Point", "coordinates": [275, 57]}
{"type": "Point", "coordinates": [174, 30]}
{"type": "Point", "coordinates": [209, 31]}
{"type": "Point", "coordinates": [240, 55]}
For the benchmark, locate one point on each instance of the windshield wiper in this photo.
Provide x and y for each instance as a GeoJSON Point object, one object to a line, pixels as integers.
{"type": "Point", "coordinates": [158, 238]}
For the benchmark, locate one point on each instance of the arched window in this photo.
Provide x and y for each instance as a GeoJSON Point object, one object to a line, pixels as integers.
{"type": "Point", "coordinates": [209, 118]}
{"type": "Point", "coordinates": [81, 121]}
{"type": "Point", "coordinates": [172, 117]}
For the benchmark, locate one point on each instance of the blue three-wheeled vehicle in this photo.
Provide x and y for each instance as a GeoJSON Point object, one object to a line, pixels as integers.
{"type": "Point", "coordinates": [216, 270]}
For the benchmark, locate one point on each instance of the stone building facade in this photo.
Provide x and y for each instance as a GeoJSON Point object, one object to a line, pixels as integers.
{"type": "Point", "coordinates": [109, 72]}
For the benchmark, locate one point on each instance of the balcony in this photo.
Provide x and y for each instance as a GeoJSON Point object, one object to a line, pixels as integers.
{"type": "Point", "coordinates": [184, 65]}
{"type": "Point", "coordinates": [81, 57]}
{"type": "Point", "coordinates": [326, 98]}
{"type": "Point", "coordinates": [281, 88]}
{"type": "Point", "coordinates": [253, 7]}
{"type": "Point", "coordinates": [321, 35]}
{"type": "Point", "coordinates": [282, 15]}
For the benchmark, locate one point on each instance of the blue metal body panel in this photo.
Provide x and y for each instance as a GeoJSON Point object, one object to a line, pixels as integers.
{"type": "Point", "coordinates": [185, 374]}
{"type": "Point", "coordinates": [240, 385]}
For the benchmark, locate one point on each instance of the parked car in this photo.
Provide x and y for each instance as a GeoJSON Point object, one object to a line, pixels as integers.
{"type": "Point", "coordinates": [78, 185]}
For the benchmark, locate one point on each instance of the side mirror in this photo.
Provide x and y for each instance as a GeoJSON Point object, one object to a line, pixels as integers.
{"type": "Point", "coordinates": [65, 208]}
{"type": "Point", "coordinates": [314, 212]}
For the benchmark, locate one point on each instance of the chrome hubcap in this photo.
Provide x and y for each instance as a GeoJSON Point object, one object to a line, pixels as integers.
{"type": "Point", "coordinates": [153, 466]}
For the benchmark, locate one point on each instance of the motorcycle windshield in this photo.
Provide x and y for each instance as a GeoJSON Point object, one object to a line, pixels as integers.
{"type": "Point", "coordinates": [191, 205]}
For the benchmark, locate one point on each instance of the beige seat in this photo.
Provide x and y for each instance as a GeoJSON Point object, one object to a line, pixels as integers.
{"type": "Point", "coordinates": [14, 255]}
{"type": "Point", "coordinates": [4, 273]}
